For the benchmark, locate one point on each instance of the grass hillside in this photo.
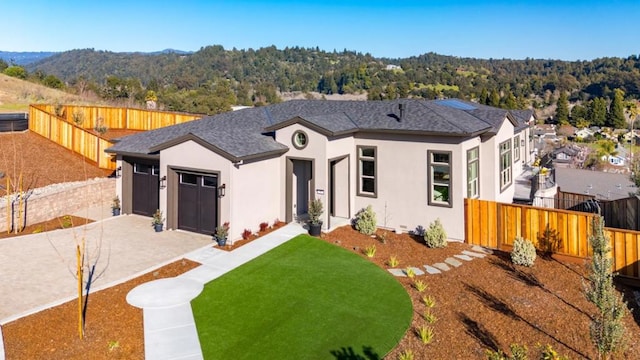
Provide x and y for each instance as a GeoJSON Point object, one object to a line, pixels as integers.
{"type": "Point", "coordinates": [17, 94]}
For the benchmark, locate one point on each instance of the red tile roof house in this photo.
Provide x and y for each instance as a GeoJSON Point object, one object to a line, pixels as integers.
{"type": "Point", "coordinates": [412, 160]}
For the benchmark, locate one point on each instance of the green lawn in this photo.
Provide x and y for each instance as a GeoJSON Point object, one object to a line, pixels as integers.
{"type": "Point", "coordinates": [306, 299]}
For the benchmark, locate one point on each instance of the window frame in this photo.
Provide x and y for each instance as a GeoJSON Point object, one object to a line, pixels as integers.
{"type": "Point", "coordinates": [516, 148]}
{"type": "Point", "coordinates": [430, 166]}
{"type": "Point", "coordinates": [508, 170]}
{"type": "Point", "coordinates": [294, 139]}
{"type": "Point", "coordinates": [471, 162]}
{"type": "Point", "coordinates": [362, 158]}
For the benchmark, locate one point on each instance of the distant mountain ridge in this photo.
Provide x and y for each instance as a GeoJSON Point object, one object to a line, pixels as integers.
{"type": "Point", "coordinates": [24, 58]}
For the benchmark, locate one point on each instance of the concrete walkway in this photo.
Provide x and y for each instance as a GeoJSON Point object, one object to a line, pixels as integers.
{"type": "Point", "coordinates": [169, 328]}
{"type": "Point", "coordinates": [38, 270]}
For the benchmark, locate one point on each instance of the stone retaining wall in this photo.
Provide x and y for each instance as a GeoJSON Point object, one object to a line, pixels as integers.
{"type": "Point", "coordinates": [59, 199]}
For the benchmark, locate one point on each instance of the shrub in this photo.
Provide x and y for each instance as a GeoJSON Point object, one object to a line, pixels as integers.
{"type": "Point", "coordinates": [518, 352]}
{"type": "Point", "coordinates": [523, 253]}
{"type": "Point", "coordinates": [365, 221]}
{"type": "Point", "coordinates": [406, 355]}
{"type": "Point", "coordinates": [435, 236]}
{"type": "Point", "coordinates": [370, 251]}
{"type": "Point", "coordinates": [429, 301]}
{"type": "Point", "coordinates": [264, 226]}
{"type": "Point", "coordinates": [382, 237]}
{"type": "Point", "coordinates": [67, 222]}
{"type": "Point", "coordinates": [420, 285]}
{"type": "Point", "coordinates": [410, 273]}
{"type": "Point", "coordinates": [246, 234]}
{"type": "Point", "coordinates": [429, 317]}
{"type": "Point", "coordinates": [419, 231]}
{"type": "Point", "coordinates": [425, 333]}
{"type": "Point", "coordinates": [393, 261]}
{"type": "Point", "coordinates": [548, 353]}
{"type": "Point", "coordinates": [315, 211]}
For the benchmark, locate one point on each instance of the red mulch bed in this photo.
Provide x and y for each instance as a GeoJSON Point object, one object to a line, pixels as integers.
{"type": "Point", "coordinates": [113, 329]}
{"type": "Point", "coordinates": [41, 162]}
{"type": "Point", "coordinates": [490, 303]}
{"type": "Point", "coordinates": [484, 304]}
{"type": "Point", "coordinates": [250, 238]}
{"type": "Point", "coordinates": [62, 222]}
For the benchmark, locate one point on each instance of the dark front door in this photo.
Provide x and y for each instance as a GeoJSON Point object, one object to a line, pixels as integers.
{"type": "Point", "coordinates": [146, 188]}
{"type": "Point", "coordinates": [197, 203]}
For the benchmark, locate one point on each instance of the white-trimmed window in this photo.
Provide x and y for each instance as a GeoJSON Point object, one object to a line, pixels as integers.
{"type": "Point", "coordinates": [516, 148]}
{"type": "Point", "coordinates": [473, 170]}
{"type": "Point", "coordinates": [505, 164]}
{"type": "Point", "coordinates": [367, 185]}
{"type": "Point", "coordinates": [439, 163]}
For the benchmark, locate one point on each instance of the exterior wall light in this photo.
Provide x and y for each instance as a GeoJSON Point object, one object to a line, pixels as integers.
{"type": "Point", "coordinates": [222, 190]}
{"type": "Point", "coordinates": [163, 182]}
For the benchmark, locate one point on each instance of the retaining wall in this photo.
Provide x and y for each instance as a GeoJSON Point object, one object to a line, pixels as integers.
{"type": "Point", "coordinates": [59, 199]}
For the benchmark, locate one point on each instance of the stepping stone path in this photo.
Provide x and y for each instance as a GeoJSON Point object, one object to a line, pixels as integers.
{"type": "Point", "coordinates": [431, 270]}
{"type": "Point", "coordinates": [442, 266]}
{"type": "Point", "coordinates": [476, 252]}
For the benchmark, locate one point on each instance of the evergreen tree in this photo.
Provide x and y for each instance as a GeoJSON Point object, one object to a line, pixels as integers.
{"type": "Point", "coordinates": [484, 97]}
{"type": "Point", "coordinates": [615, 116]}
{"type": "Point", "coordinates": [562, 109]}
{"type": "Point", "coordinates": [578, 115]}
{"type": "Point", "coordinates": [607, 329]}
{"type": "Point", "coordinates": [510, 101]}
{"type": "Point", "coordinates": [494, 98]}
{"type": "Point", "coordinates": [597, 113]}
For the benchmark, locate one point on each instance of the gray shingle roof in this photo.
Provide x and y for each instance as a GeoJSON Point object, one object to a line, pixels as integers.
{"type": "Point", "coordinates": [523, 117]}
{"type": "Point", "coordinates": [244, 133]}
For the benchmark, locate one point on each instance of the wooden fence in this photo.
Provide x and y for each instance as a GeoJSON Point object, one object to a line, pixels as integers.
{"type": "Point", "coordinates": [619, 214]}
{"type": "Point", "coordinates": [496, 225]}
{"type": "Point", "coordinates": [58, 124]}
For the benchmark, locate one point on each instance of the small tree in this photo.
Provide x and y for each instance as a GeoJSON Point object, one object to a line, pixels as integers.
{"type": "Point", "coordinates": [562, 109]}
{"type": "Point", "coordinates": [606, 330]}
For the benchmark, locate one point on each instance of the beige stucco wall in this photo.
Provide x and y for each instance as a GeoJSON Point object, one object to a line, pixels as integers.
{"type": "Point", "coordinates": [252, 188]}
{"type": "Point", "coordinates": [255, 195]}
{"type": "Point", "coordinates": [402, 198]}
{"type": "Point", "coordinates": [490, 166]}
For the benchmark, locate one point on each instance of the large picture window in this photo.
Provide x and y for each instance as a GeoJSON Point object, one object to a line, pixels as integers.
{"type": "Point", "coordinates": [439, 178]}
{"type": "Point", "coordinates": [367, 185]}
{"type": "Point", "coordinates": [516, 148]}
{"type": "Point", "coordinates": [505, 164]}
{"type": "Point", "coordinates": [473, 169]}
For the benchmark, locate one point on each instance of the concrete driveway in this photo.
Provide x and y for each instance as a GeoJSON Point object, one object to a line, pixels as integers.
{"type": "Point", "coordinates": [38, 270]}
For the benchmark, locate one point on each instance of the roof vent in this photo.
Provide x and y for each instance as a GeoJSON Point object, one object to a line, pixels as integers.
{"type": "Point", "coordinates": [402, 108]}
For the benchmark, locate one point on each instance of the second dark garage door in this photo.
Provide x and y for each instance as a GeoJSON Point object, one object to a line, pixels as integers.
{"type": "Point", "coordinates": [198, 203]}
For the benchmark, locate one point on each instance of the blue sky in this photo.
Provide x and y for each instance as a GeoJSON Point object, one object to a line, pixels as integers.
{"type": "Point", "coordinates": [550, 29]}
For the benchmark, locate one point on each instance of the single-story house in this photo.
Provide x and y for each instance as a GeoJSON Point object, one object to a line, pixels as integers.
{"type": "Point", "coordinates": [412, 160]}
{"type": "Point", "coordinates": [584, 133]}
{"type": "Point", "coordinates": [565, 154]}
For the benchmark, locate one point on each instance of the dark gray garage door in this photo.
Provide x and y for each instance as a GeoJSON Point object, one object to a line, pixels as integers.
{"type": "Point", "coordinates": [197, 203]}
{"type": "Point", "coordinates": [145, 188]}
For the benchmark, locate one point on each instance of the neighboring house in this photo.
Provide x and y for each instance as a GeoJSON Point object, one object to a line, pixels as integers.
{"type": "Point", "coordinates": [413, 160]}
{"type": "Point", "coordinates": [545, 130]}
{"type": "Point", "coordinates": [565, 154]}
{"type": "Point", "coordinates": [614, 160]}
{"type": "Point", "coordinates": [584, 133]}
{"type": "Point", "coordinates": [628, 136]}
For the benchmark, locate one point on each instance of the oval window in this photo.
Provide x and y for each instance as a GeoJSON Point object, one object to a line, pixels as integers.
{"type": "Point", "coordinates": [299, 139]}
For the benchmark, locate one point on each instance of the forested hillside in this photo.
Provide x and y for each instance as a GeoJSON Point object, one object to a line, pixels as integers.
{"type": "Point", "coordinates": [212, 79]}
